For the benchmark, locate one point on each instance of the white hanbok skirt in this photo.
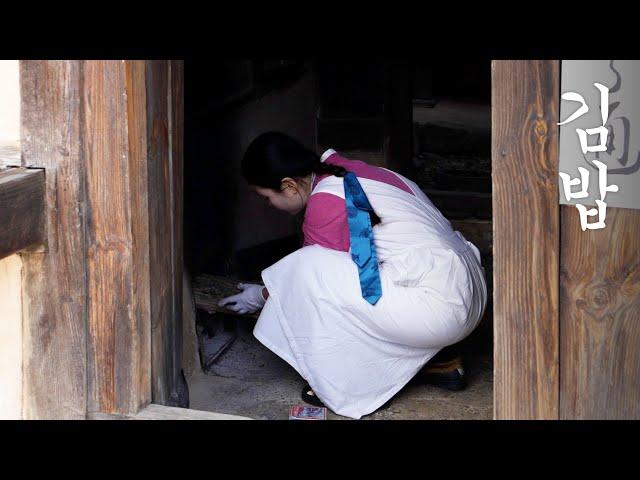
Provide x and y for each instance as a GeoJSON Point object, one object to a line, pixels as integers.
{"type": "Point", "coordinates": [354, 355]}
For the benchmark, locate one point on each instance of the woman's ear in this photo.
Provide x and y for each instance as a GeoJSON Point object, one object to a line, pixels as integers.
{"type": "Point", "coordinates": [289, 186]}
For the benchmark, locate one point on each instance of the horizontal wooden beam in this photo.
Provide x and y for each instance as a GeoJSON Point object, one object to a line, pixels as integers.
{"type": "Point", "coordinates": [21, 209]}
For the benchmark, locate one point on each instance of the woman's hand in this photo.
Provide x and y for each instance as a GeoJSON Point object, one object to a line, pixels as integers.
{"type": "Point", "coordinates": [248, 301]}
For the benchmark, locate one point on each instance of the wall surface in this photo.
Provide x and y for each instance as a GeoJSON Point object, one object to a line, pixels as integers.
{"type": "Point", "coordinates": [10, 338]}
{"type": "Point", "coordinates": [292, 112]}
{"type": "Point", "coordinates": [11, 266]}
{"type": "Point", "coordinates": [9, 113]}
{"type": "Point", "coordinates": [221, 214]}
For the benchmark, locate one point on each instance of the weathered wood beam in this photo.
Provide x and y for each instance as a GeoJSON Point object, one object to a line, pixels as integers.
{"type": "Point", "coordinates": [165, 111]}
{"type": "Point", "coordinates": [176, 145]}
{"type": "Point", "coordinates": [160, 223]}
{"type": "Point", "coordinates": [111, 179]}
{"type": "Point", "coordinates": [526, 232]}
{"type": "Point", "coordinates": [54, 281]}
{"type": "Point", "coordinates": [21, 209]}
{"type": "Point", "coordinates": [114, 152]}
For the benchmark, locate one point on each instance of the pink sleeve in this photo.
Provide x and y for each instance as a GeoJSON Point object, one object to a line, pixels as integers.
{"type": "Point", "coordinates": [325, 222]}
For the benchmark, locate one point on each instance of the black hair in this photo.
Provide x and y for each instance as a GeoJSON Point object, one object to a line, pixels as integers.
{"type": "Point", "coordinates": [273, 156]}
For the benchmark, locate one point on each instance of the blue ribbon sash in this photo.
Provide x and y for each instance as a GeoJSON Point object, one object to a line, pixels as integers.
{"type": "Point", "coordinates": [363, 249]}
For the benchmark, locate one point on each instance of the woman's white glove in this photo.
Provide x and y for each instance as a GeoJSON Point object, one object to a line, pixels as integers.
{"type": "Point", "coordinates": [248, 301]}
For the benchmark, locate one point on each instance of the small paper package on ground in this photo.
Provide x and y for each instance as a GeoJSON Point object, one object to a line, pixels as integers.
{"type": "Point", "coordinates": [301, 412]}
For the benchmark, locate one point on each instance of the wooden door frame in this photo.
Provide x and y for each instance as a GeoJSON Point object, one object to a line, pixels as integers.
{"type": "Point", "coordinates": [88, 124]}
{"type": "Point", "coordinates": [89, 354]}
{"type": "Point", "coordinates": [95, 312]}
{"type": "Point", "coordinates": [526, 235]}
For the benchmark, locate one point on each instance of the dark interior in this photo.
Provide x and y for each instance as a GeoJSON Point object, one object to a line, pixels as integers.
{"type": "Point", "coordinates": [426, 119]}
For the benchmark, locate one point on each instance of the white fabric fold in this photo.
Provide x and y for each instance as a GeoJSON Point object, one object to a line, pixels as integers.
{"type": "Point", "coordinates": [355, 355]}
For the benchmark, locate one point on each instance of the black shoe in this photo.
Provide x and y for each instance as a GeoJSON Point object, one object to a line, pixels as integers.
{"type": "Point", "coordinates": [445, 374]}
{"type": "Point", "coordinates": [309, 396]}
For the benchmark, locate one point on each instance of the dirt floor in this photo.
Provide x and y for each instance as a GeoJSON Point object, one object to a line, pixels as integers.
{"type": "Point", "coordinates": [249, 380]}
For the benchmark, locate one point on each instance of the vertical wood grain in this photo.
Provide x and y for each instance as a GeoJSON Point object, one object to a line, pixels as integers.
{"type": "Point", "coordinates": [54, 280]}
{"type": "Point", "coordinates": [176, 124]}
{"type": "Point", "coordinates": [525, 108]}
{"type": "Point", "coordinates": [116, 235]}
{"type": "Point", "coordinates": [600, 317]}
{"type": "Point", "coordinates": [161, 229]}
{"type": "Point", "coordinates": [113, 221]}
{"type": "Point", "coordinates": [138, 185]}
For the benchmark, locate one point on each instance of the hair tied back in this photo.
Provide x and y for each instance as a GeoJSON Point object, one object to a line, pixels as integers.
{"type": "Point", "coordinates": [328, 168]}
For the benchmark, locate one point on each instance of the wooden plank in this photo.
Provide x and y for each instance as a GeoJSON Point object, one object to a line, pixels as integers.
{"type": "Point", "coordinates": [161, 229]}
{"type": "Point", "coordinates": [117, 236]}
{"type": "Point", "coordinates": [600, 317]}
{"type": "Point", "coordinates": [138, 186]}
{"type": "Point", "coordinates": [161, 412]}
{"type": "Point", "coordinates": [54, 291]}
{"type": "Point", "coordinates": [108, 235]}
{"type": "Point", "coordinates": [176, 142]}
{"type": "Point", "coordinates": [21, 209]}
{"type": "Point", "coordinates": [525, 109]}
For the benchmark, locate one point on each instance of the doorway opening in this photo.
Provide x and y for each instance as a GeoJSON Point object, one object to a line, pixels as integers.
{"type": "Point", "coordinates": [426, 119]}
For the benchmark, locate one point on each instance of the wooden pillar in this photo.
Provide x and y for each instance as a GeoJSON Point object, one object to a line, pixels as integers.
{"type": "Point", "coordinates": [176, 137]}
{"type": "Point", "coordinates": [108, 135]}
{"type": "Point", "coordinates": [164, 142]}
{"type": "Point", "coordinates": [113, 143]}
{"type": "Point", "coordinates": [54, 292]}
{"type": "Point", "coordinates": [525, 110]}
